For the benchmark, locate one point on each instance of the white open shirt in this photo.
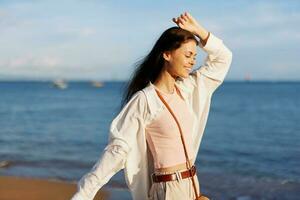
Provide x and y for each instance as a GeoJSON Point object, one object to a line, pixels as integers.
{"type": "Point", "coordinates": [127, 148]}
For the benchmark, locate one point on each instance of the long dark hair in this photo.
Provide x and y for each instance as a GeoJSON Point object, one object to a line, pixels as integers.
{"type": "Point", "coordinates": [149, 68]}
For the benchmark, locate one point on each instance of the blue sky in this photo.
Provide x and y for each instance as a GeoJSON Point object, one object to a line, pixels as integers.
{"type": "Point", "coordinates": [102, 40]}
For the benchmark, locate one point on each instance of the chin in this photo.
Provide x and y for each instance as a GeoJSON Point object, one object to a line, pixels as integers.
{"type": "Point", "coordinates": [185, 76]}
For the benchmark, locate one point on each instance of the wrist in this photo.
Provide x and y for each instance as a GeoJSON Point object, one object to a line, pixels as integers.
{"type": "Point", "coordinates": [204, 41]}
{"type": "Point", "coordinates": [201, 33]}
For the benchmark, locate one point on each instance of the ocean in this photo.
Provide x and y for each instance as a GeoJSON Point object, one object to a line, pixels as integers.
{"type": "Point", "coordinates": [250, 148]}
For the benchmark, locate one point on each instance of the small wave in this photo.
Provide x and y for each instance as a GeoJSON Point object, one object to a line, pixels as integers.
{"type": "Point", "coordinates": [244, 198]}
{"type": "Point", "coordinates": [45, 163]}
{"type": "Point", "coordinates": [117, 184]}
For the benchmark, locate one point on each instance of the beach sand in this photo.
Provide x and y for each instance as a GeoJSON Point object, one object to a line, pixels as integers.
{"type": "Point", "coordinates": [17, 188]}
{"type": "Point", "coordinates": [216, 186]}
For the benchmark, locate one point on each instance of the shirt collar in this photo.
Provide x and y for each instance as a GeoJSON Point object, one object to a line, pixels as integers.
{"type": "Point", "coordinates": [153, 100]}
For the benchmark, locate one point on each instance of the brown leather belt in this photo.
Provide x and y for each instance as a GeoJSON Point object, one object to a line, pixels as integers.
{"type": "Point", "coordinates": [174, 176]}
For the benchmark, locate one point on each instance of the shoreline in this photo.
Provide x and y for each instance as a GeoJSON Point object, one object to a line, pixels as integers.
{"type": "Point", "coordinates": [32, 188]}
{"type": "Point", "coordinates": [18, 188]}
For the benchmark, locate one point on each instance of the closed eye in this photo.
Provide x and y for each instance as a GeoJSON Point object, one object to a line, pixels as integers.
{"type": "Point", "coordinates": [190, 57]}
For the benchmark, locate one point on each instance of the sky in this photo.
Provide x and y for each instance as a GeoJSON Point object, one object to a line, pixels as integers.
{"type": "Point", "coordinates": [103, 40]}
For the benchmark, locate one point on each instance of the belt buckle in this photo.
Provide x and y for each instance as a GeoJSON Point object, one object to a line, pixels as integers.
{"type": "Point", "coordinates": [153, 177]}
{"type": "Point", "coordinates": [178, 175]}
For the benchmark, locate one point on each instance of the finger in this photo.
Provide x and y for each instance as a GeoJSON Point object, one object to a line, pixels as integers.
{"type": "Point", "coordinates": [181, 25]}
{"type": "Point", "coordinates": [180, 20]}
{"type": "Point", "coordinates": [183, 17]}
{"type": "Point", "coordinates": [176, 21]}
{"type": "Point", "coordinates": [188, 15]}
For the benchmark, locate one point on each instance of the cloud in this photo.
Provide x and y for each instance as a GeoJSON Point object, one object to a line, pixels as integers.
{"type": "Point", "coordinates": [105, 38]}
{"type": "Point", "coordinates": [261, 24]}
{"type": "Point", "coordinates": [45, 62]}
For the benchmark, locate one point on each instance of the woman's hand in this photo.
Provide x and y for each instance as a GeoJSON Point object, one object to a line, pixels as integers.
{"type": "Point", "coordinates": [188, 22]}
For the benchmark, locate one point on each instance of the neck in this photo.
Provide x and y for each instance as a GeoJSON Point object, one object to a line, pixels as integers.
{"type": "Point", "coordinates": [165, 82]}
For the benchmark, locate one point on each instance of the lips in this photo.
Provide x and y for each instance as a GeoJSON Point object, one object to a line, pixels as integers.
{"type": "Point", "coordinates": [188, 68]}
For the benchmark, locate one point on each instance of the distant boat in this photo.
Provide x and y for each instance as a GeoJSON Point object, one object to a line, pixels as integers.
{"type": "Point", "coordinates": [97, 84]}
{"type": "Point", "coordinates": [60, 84]}
{"type": "Point", "coordinates": [5, 164]}
{"type": "Point", "coordinates": [247, 77]}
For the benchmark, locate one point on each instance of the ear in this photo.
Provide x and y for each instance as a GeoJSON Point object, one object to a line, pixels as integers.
{"type": "Point", "coordinates": [167, 55]}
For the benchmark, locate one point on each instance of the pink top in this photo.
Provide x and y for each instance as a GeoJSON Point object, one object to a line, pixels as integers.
{"type": "Point", "coordinates": [163, 135]}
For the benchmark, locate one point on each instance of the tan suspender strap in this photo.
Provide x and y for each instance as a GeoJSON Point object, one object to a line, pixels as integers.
{"type": "Point", "coordinates": [188, 164]}
{"type": "Point", "coordinates": [182, 139]}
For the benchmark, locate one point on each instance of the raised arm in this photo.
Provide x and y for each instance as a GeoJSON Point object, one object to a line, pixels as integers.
{"type": "Point", "coordinates": [187, 22]}
{"type": "Point", "coordinates": [216, 65]}
{"type": "Point", "coordinates": [123, 131]}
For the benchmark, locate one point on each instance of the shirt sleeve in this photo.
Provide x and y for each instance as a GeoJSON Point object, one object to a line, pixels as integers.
{"type": "Point", "coordinates": [123, 132]}
{"type": "Point", "coordinates": [215, 67]}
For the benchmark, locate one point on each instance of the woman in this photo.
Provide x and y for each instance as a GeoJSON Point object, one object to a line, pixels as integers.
{"type": "Point", "coordinates": [144, 139]}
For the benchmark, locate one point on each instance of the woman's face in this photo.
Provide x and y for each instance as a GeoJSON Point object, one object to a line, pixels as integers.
{"type": "Point", "coordinates": [181, 61]}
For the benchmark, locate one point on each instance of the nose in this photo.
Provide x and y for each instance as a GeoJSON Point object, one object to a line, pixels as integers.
{"type": "Point", "coordinates": [192, 63]}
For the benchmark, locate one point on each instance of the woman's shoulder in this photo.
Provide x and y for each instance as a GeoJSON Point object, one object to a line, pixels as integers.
{"type": "Point", "coordinates": [137, 104]}
{"type": "Point", "coordinates": [139, 96]}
